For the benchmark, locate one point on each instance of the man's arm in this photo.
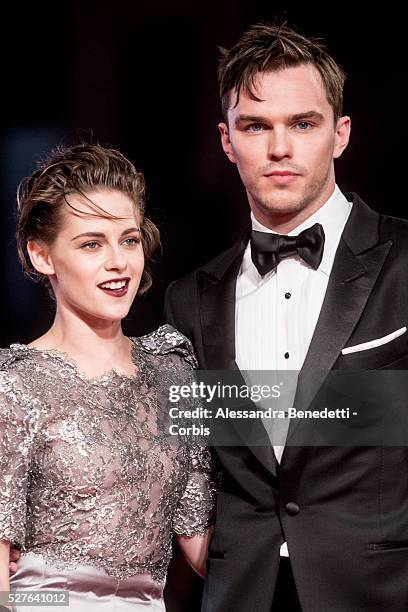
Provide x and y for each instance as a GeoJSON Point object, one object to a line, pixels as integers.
{"type": "Point", "coordinates": [169, 314]}
{"type": "Point", "coordinates": [180, 305]}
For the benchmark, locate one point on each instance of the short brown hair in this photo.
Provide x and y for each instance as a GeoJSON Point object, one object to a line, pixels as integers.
{"type": "Point", "coordinates": [268, 48]}
{"type": "Point", "coordinates": [79, 169]}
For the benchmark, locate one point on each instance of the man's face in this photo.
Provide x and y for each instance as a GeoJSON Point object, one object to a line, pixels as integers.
{"type": "Point", "coordinates": [285, 144]}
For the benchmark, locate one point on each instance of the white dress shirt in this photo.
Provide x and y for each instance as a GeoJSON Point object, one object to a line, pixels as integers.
{"type": "Point", "coordinates": [276, 315]}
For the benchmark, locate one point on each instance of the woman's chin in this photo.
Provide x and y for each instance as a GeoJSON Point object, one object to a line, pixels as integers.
{"type": "Point", "coordinates": [103, 316]}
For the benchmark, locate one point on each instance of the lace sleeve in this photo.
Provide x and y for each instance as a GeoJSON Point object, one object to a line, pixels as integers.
{"type": "Point", "coordinates": [194, 512]}
{"type": "Point", "coordinates": [166, 340]}
{"type": "Point", "coordinates": [17, 430]}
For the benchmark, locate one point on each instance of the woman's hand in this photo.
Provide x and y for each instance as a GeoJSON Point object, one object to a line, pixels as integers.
{"type": "Point", "coordinates": [195, 550]}
{"type": "Point", "coordinates": [14, 556]}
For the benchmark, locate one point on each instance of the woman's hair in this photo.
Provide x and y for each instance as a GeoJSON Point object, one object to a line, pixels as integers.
{"type": "Point", "coordinates": [265, 47]}
{"type": "Point", "coordinates": [78, 169]}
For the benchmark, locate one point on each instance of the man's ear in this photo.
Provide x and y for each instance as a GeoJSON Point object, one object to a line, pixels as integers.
{"type": "Point", "coordinates": [342, 136]}
{"type": "Point", "coordinates": [40, 257]}
{"type": "Point", "coordinates": [225, 142]}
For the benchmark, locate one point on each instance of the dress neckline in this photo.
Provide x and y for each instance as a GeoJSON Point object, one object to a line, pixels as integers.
{"type": "Point", "coordinates": [71, 363]}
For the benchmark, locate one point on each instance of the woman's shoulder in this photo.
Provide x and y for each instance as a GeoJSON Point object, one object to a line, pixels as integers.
{"type": "Point", "coordinates": [166, 340]}
{"type": "Point", "coordinates": [20, 366]}
{"type": "Point", "coordinates": [11, 356]}
{"type": "Point", "coordinates": [18, 354]}
{"type": "Point", "coordinates": [16, 368]}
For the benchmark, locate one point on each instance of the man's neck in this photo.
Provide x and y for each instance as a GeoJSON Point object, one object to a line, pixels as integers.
{"type": "Point", "coordinates": [284, 223]}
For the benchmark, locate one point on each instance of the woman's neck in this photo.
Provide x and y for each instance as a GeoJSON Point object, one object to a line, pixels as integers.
{"type": "Point", "coordinates": [95, 346]}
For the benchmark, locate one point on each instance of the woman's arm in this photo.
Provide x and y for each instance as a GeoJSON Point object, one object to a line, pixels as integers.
{"type": "Point", "coordinates": [195, 550]}
{"type": "Point", "coordinates": [4, 565]}
{"type": "Point", "coordinates": [4, 569]}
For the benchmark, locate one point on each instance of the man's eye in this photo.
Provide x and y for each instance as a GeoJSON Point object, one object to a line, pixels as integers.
{"type": "Point", "coordinates": [255, 127]}
{"type": "Point", "coordinates": [304, 125]}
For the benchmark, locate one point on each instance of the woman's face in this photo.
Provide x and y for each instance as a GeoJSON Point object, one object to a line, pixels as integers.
{"type": "Point", "coordinates": [97, 262]}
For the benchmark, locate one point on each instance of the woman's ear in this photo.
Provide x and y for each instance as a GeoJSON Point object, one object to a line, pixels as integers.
{"type": "Point", "coordinates": [40, 256]}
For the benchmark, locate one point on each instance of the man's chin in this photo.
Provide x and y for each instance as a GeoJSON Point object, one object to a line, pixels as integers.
{"type": "Point", "coordinates": [282, 207]}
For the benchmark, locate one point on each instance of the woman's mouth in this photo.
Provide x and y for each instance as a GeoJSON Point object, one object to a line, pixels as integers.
{"type": "Point", "coordinates": [116, 287]}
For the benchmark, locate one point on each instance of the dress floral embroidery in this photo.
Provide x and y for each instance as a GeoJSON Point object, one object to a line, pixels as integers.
{"type": "Point", "coordinates": [86, 474]}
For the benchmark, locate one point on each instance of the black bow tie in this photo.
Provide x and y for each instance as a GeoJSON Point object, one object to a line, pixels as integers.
{"type": "Point", "coordinates": [267, 249]}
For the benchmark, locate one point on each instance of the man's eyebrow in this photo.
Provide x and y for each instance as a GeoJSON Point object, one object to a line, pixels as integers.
{"type": "Point", "coordinates": [308, 115]}
{"type": "Point", "coordinates": [312, 114]}
{"type": "Point", "coordinates": [125, 232]}
{"type": "Point", "coordinates": [245, 118]}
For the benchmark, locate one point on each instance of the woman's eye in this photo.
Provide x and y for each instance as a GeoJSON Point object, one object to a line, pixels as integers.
{"type": "Point", "coordinates": [90, 245]}
{"type": "Point", "coordinates": [131, 241]}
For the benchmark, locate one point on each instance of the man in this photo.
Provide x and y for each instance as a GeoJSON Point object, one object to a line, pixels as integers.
{"type": "Point", "coordinates": [312, 528]}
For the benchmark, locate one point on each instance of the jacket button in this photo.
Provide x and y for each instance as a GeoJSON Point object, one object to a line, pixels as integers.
{"type": "Point", "coordinates": [292, 508]}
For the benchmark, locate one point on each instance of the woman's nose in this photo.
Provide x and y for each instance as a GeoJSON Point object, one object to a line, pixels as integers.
{"type": "Point", "coordinates": [116, 260]}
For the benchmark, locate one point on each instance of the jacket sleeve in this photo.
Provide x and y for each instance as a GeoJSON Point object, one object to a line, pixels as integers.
{"type": "Point", "coordinates": [169, 314]}
{"type": "Point", "coordinates": [180, 305]}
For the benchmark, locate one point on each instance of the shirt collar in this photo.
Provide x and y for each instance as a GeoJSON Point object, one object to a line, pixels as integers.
{"type": "Point", "coordinates": [332, 216]}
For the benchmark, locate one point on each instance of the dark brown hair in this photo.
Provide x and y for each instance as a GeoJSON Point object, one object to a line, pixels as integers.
{"type": "Point", "coordinates": [78, 169]}
{"type": "Point", "coordinates": [268, 48]}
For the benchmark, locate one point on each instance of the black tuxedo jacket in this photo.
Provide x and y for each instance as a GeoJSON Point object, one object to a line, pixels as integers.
{"type": "Point", "coordinates": [343, 510]}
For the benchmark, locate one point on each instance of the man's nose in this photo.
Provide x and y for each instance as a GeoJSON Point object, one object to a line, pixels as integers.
{"type": "Point", "coordinates": [280, 144]}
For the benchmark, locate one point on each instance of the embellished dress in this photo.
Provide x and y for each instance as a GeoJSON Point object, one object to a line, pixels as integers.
{"type": "Point", "coordinates": [91, 489]}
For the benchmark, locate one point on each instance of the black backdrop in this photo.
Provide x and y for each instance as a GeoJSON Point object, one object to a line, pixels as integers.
{"type": "Point", "coordinates": [141, 76]}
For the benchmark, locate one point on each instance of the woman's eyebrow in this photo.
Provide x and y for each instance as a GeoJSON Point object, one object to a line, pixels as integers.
{"type": "Point", "coordinates": [130, 230]}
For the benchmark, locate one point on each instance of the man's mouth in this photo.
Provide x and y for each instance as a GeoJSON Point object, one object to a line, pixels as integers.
{"type": "Point", "coordinates": [281, 177]}
{"type": "Point", "coordinates": [281, 173]}
{"type": "Point", "coordinates": [116, 287]}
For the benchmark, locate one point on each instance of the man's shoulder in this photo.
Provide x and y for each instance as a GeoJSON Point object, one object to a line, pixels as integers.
{"type": "Point", "coordinates": [215, 267]}
{"type": "Point", "coordinates": [394, 226]}
{"type": "Point", "coordinates": [386, 221]}
{"type": "Point", "coordinates": [395, 231]}
{"type": "Point", "coordinates": [367, 227]}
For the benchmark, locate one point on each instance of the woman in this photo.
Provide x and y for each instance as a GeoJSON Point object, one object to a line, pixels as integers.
{"type": "Point", "coordinates": [90, 488]}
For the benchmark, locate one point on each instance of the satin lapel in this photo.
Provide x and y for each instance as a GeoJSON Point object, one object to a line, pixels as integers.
{"type": "Point", "coordinates": [351, 282]}
{"type": "Point", "coordinates": [217, 311]}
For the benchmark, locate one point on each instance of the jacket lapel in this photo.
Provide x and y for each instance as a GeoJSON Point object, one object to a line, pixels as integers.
{"type": "Point", "coordinates": [217, 313]}
{"type": "Point", "coordinates": [217, 286]}
{"type": "Point", "coordinates": [358, 262]}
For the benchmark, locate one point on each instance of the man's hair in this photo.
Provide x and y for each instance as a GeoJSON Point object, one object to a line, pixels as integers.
{"type": "Point", "coordinates": [268, 48]}
{"type": "Point", "coordinates": [78, 169]}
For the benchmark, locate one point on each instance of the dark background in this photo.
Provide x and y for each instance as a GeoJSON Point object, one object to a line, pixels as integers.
{"type": "Point", "coordinates": [141, 76]}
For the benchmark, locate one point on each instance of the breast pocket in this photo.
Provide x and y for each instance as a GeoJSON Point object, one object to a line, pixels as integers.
{"type": "Point", "coordinates": [390, 351]}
